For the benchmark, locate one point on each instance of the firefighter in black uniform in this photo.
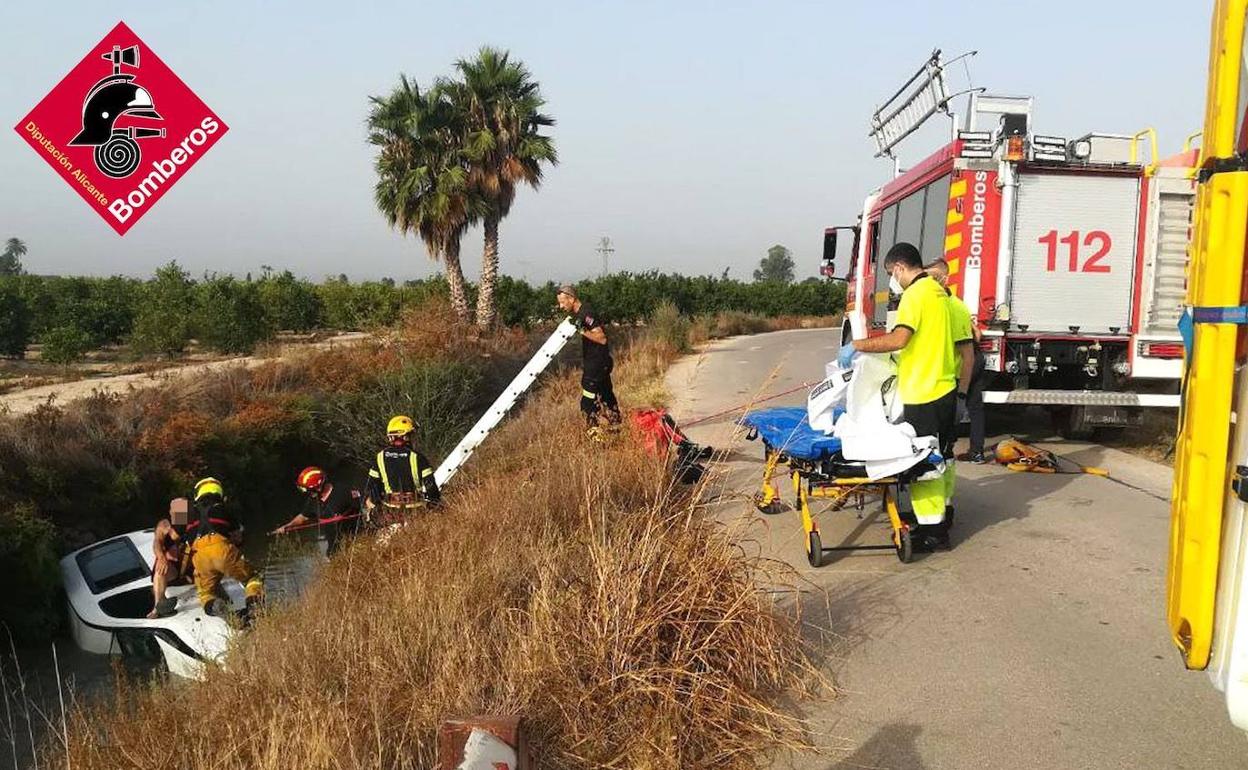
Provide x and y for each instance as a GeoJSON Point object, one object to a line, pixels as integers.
{"type": "Point", "coordinates": [401, 479]}
{"type": "Point", "coordinates": [597, 393]}
{"type": "Point", "coordinates": [333, 507]}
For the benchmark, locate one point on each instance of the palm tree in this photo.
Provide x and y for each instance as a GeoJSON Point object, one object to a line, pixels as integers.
{"type": "Point", "coordinates": [11, 258]}
{"type": "Point", "coordinates": [422, 178]}
{"type": "Point", "coordinates": [504, 146]}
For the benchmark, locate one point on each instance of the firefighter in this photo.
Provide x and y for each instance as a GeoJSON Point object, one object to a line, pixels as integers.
{"type": "Point", "coordinates": [335, 508]}
{"type": "Point", "coordinates": [927, 375]}
{"type": "Point", "coordinates": [216, 553]}
{"type": "Point", "coordinates": [401, 479]}
{"type": "Point", "coordinates": [597, 393]}
{"type": "Point", "coordinates": [971, 377]}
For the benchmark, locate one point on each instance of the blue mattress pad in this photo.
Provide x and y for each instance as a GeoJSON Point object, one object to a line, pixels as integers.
{"type": "Point", "coordinates": [787, 429]}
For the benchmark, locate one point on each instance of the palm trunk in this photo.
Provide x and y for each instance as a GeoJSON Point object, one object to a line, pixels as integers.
{"type": "Point", "coordinates": [455, 279]}
{"type": "Point", "coordinates": [489, 274]}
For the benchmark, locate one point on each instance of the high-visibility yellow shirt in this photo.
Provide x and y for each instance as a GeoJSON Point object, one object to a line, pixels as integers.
{"type": "Point", "coordinates": [960, 317]}
{"type": "Point", "coordinates": [928, 366]}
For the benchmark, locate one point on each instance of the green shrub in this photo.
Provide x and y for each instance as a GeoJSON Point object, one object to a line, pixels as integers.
{"type": "Point", "coordinates": [669, 327]}
{"type": "Point", "coordinates": [230, 316]}
{"type": "Point", "coordinates": [163, 322]}
{"type": "Point", "coordinates": [14, 320]}
{"type": "Point", "coordinates": [441, 396]}
{"type": "Point", "coordinates": [633, 297]}
{"type": "Point", "coordinates": [520, 304]}
{"type": "Point", "coordinates": [289, 303]}
{"type": "Point", "coordinates": [64, 345]}
{"type": "Point", "coordinates": [343, 305]}
{"type": "Point", "coordinates": [28, 559]}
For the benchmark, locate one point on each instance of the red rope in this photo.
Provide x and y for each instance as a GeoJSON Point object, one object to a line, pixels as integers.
{"type": "Point", "coordinates": [748, 404]}
{"type": "Point", "coordinates": [309, 525]}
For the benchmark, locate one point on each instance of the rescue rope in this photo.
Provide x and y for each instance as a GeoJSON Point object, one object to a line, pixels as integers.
{"type": "Point", "coordinates": [748, 404]}
{"type": "Point", "coordinates": [318, 523]}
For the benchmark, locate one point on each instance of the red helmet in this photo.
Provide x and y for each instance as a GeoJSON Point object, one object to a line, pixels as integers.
{"type": "Point", "coordinates": [310, 479]}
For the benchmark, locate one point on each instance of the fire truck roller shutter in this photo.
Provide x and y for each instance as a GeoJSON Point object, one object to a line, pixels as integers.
{"type": "Point", "coordinates": [1074, 252]}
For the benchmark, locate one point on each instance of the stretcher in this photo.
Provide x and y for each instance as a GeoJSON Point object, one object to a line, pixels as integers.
{"type": "Point", "coordinates": [818, 471]}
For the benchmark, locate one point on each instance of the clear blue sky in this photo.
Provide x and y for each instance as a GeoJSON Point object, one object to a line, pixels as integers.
{"type": "Point", "coordinates": [695, 136]}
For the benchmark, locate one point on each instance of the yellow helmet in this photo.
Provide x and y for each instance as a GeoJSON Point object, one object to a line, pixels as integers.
{"type": "Point", "coordinates": [399, 425]}
{"type": "Point", "coordinates": [208, 486]}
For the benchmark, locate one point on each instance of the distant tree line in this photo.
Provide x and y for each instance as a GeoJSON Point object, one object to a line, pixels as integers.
{"type": "Point", "coordinates": [70, 316]}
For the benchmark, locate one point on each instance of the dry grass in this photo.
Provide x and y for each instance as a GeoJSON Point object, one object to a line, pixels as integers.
{"type": "Point", "coordinates": [1153, 439]}
{"type": "Point", "coordinates": [566, 581]}
{"type": "Point", "coordinates": [731, 323]}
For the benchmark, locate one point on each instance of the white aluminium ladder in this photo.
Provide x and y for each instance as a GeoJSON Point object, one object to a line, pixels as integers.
{"type": "Point", "coordinates": [498, 410]}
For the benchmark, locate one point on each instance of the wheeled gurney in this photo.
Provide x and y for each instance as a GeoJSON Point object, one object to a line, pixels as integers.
{"type": "Point", "coordinates": [818, 470]}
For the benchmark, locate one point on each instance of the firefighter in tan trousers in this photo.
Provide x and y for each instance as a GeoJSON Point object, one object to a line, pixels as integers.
{"type": "Point", "coordinates": [215, 552]}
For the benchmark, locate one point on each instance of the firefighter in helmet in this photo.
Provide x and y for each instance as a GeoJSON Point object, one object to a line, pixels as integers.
{"type": "Point", "coordinates": [334, 507]}
{"type": "Point", "coordinates": [401, 478]}
{"type": "Point", "coordinates": [216, 552]}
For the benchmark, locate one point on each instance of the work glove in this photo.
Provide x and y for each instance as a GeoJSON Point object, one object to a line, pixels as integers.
{"type": "Point", "coordinates": [845, 359]}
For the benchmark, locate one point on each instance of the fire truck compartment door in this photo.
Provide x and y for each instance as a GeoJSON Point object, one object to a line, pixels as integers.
{"type": "Point", "coordinates": [1074, 252]}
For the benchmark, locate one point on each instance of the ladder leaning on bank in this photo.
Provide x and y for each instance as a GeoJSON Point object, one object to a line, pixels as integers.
{"type": "Point", "coordinates": [498, 410]}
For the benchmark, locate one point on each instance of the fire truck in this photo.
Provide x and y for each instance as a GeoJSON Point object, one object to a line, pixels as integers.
{"type": "Point", "coordinates": [1070, 253]}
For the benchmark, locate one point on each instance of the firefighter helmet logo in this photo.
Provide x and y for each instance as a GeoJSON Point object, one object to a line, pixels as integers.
{"type": "Point", "coordinates": [123, 131]}
{"type": "Point", "coordinates": [116, 149]}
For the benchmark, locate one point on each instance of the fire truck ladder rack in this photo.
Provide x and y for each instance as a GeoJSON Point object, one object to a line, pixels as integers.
{"type": "Point", "coordinates": [921, 97]}
{"type": "Point", "coordinates": [498, 410]}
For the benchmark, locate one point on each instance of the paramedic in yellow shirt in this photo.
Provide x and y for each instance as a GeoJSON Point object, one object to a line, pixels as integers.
{"type": "Point", "coordinates": [928, 369]}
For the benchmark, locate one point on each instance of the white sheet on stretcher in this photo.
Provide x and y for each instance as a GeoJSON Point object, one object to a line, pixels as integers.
{"type": "Point", "coordinates": [871, 429]}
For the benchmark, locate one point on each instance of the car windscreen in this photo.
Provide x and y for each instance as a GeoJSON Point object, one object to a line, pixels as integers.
{"type": "Point", "coordinates": [112, 564]}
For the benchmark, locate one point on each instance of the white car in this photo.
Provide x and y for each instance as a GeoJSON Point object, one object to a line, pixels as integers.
{"type": "Point", "coordinates": [108, 586]}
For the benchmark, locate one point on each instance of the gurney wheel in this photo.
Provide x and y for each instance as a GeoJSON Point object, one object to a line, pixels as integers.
{"type": "Point", "coordinates": [772, 508]}
{"type": "Point", "coordinates": [814, 549]}
{"type": "Point", "coordinates": [905, 545]}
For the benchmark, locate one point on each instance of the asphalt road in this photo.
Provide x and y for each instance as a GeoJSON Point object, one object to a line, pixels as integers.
{"type": "Point", "coordinates": [1038, 642]}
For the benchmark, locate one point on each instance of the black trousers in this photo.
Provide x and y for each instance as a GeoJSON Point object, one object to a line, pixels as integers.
{"type": "Point", "coordinates": [937, 418]}
{"type": "Point", "coordinates": [598, 394]}
{"type": "Point", "coordinates": [975, 404]}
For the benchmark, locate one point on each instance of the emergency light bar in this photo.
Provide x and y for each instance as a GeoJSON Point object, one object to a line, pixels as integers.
{"type": "Point", "coordinates": [1048, 148]}
{"type": "Point", "coordinates": [977, 144]}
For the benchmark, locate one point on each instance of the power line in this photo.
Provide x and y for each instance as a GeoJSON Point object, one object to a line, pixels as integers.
{"type": "Point", "coordinates": [606, 250]}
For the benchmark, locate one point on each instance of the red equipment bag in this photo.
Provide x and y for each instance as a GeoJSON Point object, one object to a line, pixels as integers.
{"type": "Point", "coordinates": [657, 429]}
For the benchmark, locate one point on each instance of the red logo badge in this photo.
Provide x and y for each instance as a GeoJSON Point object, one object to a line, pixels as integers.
{"type": "Point", "coordinates": [121, 128]}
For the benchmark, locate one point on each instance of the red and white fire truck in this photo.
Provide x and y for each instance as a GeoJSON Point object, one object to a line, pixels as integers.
{"type": "Point", "coordinates": [1071, 255]}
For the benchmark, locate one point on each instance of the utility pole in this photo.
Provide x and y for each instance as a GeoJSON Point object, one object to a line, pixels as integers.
{"type": "Point", "coordinates": [606, 250]}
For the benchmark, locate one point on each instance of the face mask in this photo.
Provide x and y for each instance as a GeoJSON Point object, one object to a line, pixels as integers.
{"type": "Point", "coordinates": [894, 285]}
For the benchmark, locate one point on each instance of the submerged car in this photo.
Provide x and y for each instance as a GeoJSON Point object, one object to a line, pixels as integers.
{"type": "Point", "coordinates": [108, 587]}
